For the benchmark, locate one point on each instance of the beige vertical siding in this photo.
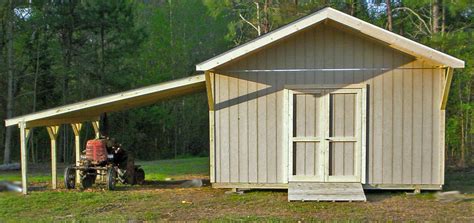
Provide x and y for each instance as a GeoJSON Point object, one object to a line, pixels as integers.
{"type": "Point", "coordinates": [404, 127]}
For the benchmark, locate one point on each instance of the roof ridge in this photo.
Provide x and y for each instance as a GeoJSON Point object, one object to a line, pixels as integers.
{"type": "Point", "coordinates": [393, 39]}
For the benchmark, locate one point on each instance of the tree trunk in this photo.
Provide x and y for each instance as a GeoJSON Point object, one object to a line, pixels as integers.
{"type": "Point", "coordinates": [67, 36]}
{"type": "Point", "coordinates": [266, 16]}
{"type": "Point", "coordinates": [34, 153]}
{"type": "Point", "coordinates": [9, 130]}
{"type": "Point", "coordinates": [463, 145]}
{"type": "Point", "coordinates": [461, 117]}
{"type": "Point", "coordinates": [353, 7]}
{"type": "Point", "coordinates": [102, 57]}
{"type": "Point", "coordinates": [443, 18]}
{"type": "Point", "coordinates": [389, 15]}
{"type": "Point", "coordinates": [436, 15]}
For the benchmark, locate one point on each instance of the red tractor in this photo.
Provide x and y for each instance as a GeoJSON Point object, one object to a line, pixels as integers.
{"type": "Point", "coordinates": [104, 160]}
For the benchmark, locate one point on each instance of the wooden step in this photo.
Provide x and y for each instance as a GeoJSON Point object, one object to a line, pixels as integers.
{"type": "Point", "coordinates": [310, 191]}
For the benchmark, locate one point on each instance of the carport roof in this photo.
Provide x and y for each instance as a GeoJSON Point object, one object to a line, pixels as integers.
{"type": "Point", "coordinates": [90, 110]}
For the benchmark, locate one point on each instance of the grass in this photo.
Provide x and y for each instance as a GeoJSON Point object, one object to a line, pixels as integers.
{"type": "Point", "coordinates": [155, 170]}
{"type": "Point", "coordinates": [159, 170]}
{"type": "Point", "coordinates": [155, 202]}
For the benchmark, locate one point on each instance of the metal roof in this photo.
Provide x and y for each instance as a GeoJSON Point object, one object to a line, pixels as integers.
{"type": "Point", "coordinates": [392, 39]}
{"type": "Point", "coordinates": [91, 109]}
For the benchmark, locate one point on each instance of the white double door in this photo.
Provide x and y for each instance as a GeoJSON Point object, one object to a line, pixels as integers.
{"type": "Point", "coordinates": [325, 137]}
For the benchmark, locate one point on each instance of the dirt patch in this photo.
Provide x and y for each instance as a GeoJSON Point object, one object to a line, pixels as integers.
{"type": "Point", "coordinates": [163, 200]}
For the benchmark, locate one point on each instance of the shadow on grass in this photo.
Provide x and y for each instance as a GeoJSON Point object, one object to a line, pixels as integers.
{"type": "Point", "coordinates": [161, 184]}
{"type": "Point", "coordinates": [460, 180]}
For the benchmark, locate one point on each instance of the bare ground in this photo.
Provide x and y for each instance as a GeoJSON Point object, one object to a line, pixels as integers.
{"type": "Point", "coordinates": [158, 200]}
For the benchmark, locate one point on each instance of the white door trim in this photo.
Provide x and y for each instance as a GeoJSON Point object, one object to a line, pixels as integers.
{"type": "Point", "coordinates": [360, 151]}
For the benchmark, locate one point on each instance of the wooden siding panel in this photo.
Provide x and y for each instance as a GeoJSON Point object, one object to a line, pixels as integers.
{"type": "Point", "coordinates": [262, 118]}
{"type": "Point", "coordinates": [427, 141]}
{"type": "Point", "coordinates": [281, 160]}
{"type": "Point", "coordinates": [224, 128]}
{"type": "Point", "coordinates": [329, 55]}
{"type": "Point", "coordinates": [397, 118]}
{"type": "Point", "coordinates": [243, 118]}
{"type": "Point", "coordinates": [271, 127]}
{"type": "Point", "coordinates": [252, 123]}
{"type": "Point", "coordinates": [387, 118]}
{"type": "Point", "coordinates": [359, 53]}
{"type": "Point", "coordinates": [407, 149]}
{"type": "Point", "coordinates": [417, 123]}
{"type": "Point", "coordinates": [368, 48]}
{"type": "Point", "coordinates": [378, 88]}
{"type": "Point", "coordinates": [348, 57]}
{"type": "Point", "coordinates": [319, 55]}
{"type": "Point", "coordinates": [338, 56]}
{"type": "Point", "coordinates": [233, 129]}
{"type": "Point", "coordinates": [404, 123]}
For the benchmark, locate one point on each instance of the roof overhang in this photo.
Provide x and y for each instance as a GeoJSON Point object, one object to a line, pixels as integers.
{"type": "Point", "coordinates": [391, 39]}
{"type": "Point", "coordinates": [93, 108]}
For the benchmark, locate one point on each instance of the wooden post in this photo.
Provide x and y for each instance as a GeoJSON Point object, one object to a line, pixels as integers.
{"type": "Point", "coordinates": [24, 134]}
{"type": "Point", "coordinates": [447, 86]}
{"type": "Point", "coordinates": [95, 125]}
{"type": "Point", "coordinates": [53, 135]}
{"type": "Point", "coordinates": [210, 99]}
{"type": "Point", "coordinates": [209, 89]}
{"type": "Point", "coordinates": [76, 128]}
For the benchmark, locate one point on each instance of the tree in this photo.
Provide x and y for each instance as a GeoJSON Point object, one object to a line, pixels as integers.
{"type": "Point", "coordinates": [388, 6]}
{"type": "Point", "coordinates": [10, 16]}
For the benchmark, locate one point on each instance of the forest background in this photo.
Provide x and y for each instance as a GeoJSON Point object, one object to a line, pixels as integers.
{"type": "Point", "coordinates": [58, 52]}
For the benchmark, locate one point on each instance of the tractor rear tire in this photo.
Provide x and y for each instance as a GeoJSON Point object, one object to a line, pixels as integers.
{"type": "Point", "coordinates": [139, 176]}
{"type": "Point", "coordinates": [111, 178]}
{"type": "Point", "coordinates": [88, 180]}
{"type": "Point", "coordinates": [70, 178]}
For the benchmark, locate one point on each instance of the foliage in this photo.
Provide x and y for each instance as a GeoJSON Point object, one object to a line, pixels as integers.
{"type": "Point", "coordinates": [67, 51]}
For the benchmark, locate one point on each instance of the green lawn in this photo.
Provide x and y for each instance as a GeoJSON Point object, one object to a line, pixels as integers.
{"type": "Point", "coordinates": [159, 170]}
{"type": "Point", "coordinates": [155, 170]}
{"type": "Point", "coordinates": [155, 201]}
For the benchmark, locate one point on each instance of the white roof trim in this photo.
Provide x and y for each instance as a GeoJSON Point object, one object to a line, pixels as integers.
{"type": "Point", "coordinates": [394, 40]}
{"type": "Point", "coordinates": [89, 109]}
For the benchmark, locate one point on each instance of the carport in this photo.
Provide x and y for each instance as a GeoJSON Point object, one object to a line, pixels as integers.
{"type": "Point", "coordinates": [77, 114]}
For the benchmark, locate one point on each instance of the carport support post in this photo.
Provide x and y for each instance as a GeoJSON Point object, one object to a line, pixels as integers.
{"type": "Point", "coordinates": [95, 125]}
{"type": "Point", "coordinates": [53, 135]}
{"type": "Point", "coordinates": [76, 128]}
{"type": "Point", "coordinates": [210, 100]}
{"type": "Point", "coordinates": [24, 134]}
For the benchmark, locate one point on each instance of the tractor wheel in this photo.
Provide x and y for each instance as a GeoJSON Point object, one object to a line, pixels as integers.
{"type": "Point", "coordinates": [111, 176]}
{"type": "Point", "coordinates": [88, 180]}
{"type": "Point", "coordinates": [70, 178]}
{"type": "Point", "coordinates": [139, 176]}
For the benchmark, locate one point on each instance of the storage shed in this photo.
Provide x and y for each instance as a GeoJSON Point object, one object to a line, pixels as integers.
{"type": "Point", "coordinates": [325, 107]}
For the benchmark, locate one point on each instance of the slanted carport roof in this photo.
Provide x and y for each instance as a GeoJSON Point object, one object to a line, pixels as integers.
{"type": "Point", "coordinates": [90, 110]}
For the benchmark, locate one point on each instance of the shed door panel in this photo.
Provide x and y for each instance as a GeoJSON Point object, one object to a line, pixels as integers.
{"type": "Point", "coordinates": [342, 129]}
{"type": "Point", "coordinates": [326, 137]}
{"type": "Point", "coordinates": [307, 135]}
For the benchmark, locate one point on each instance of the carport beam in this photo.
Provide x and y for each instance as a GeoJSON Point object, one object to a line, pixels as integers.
{"type": "Point", "coordinates": [53, 135]}
{"type": "Point", "coordinates": [95, 125]}
{"type": "Point", "coordinates": [24, 134]}
{"type": "Point", "coordinates": [76, 128]}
